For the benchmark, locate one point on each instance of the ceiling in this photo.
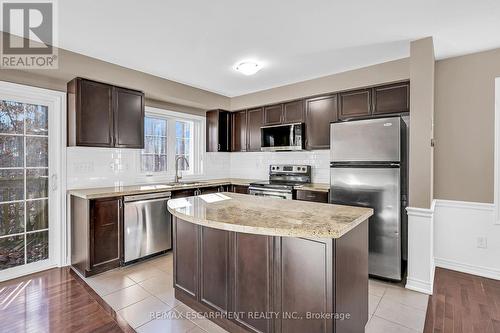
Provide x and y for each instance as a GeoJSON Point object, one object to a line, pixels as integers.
{"type": "Point", "coordinates": [197, 42]}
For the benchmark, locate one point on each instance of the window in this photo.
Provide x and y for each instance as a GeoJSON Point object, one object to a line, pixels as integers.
{"type": "Point", "coordinates": [168, 135]}
{"type": "Point", "coordinates": [154, 154]}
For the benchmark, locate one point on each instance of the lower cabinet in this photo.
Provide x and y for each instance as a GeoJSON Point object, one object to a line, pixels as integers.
{"type": "Point", "coordinates": [239, 189]}
{"type": "Point", "coordinates": [262, 284]}
{"type": "Point", "coordinates": [96, 234]}
{"type": "Point", "coordinates": [315, 196]}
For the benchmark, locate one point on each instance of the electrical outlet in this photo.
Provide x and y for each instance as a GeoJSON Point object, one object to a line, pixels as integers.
{"type": "Point", "coordinates": [482, 242]}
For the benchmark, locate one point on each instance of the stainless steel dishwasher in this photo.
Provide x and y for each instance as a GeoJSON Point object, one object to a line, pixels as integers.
{"type": "Point", "coordinates": [147, 225]}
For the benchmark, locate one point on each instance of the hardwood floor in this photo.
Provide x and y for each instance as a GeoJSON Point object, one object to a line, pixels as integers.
{"type": "Point", "coordinates": [54, 301]}
{"type": "Point", "coordinates": [463, 303]}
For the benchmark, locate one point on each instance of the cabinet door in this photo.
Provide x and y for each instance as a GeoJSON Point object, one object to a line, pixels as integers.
{"type": "Point", "coordinates": [391, 99]}
{"type": "Point", "coordinates": [239, 131]}
{"type": "Point", "coordinates": [355, 104]}
{"type": "Point", "coordinates": [129, 118]}
{"type": "Point", "coordinates": [94, 114]}
{"type": "Point", "coordinates": [293, 112]}
{"type": "Point", "coordinates": [252, 291]}
{"type": "Point", "coordinates": [214, 268]}
{"type": "Point", "coordinates": [273, 114]}
{"type": "Point", "coordinates": [306, 283]}
{"type": "Point", "coordinates": [314, 196]}
{"type": "Point", "coordinates": [183, 193]}
{"type": "Point", "coordinates": [186, 257]}
{"type": "Point", "coordinates": [239, 189]}
{"type": "Point", "coordinates": [254, 124]}
{"type": "Point", "coordinates": [212, 128]}
{"type": "Point", "coordinates": [105, 234]}
{"type": "Point", "coordinates": [320, 111]}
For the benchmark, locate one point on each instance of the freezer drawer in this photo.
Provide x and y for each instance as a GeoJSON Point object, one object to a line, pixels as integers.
{"type": "Point", "coordinates": [377, 188]}
{"type": "Point", "coordinates": [371, 140]}
{"type": "Point", "coordinates": [147, 228]}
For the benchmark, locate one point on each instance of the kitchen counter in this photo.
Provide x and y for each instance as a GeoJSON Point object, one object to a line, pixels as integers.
{"type": "Point", "coordinates": [268, 216]}
{"type": "Point", "coordinates": [242, 254]}
{"type": "Point", "coordinates": [107, 192]}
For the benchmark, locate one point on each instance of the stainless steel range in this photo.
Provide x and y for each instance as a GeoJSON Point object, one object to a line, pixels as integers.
{"type": "Point", "coordinates": [282, 180]}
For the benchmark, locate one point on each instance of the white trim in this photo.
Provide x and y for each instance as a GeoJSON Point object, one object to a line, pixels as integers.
{"type": "Point", "coordinates": [465, 205]}
{"type": "Point", "coordinates": [422, 212]}
{"type": "Point", "coordinates": [497, 152]}
{"type": "Point", "coordinates": [469, 269]}
{"type": "Point", "coordinates": [419, 285]}
{"type": "Point", "coordinates": [56, 102]}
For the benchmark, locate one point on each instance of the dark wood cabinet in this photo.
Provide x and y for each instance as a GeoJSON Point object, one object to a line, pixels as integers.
{"type": "Point", "coordinates": [293, 112]}
{"type": "Point", "coordinates": [185, 236]}
{"type": "Point", "coordinates": [314, 196]}
{"type": "Point", "coordinates": [239, 189]}
{"type": "Point", "coordinates": [96, 234]}
{"type": "Point", "coordinates": [129, 118]}
{"type": "Point", "coordinates": [214, 273]}
{"type": "Point", "coordinates": [253, 258]}
{"type": "Point", "coordinates": [355, 104]}
{"type": "Point", "coordinates": [273, 114]}
{"type": "Point", "coordinates": [391, 99]}
{"type": "Point", "coordinates": [254, 123]}
{"type": "Point", "coordinates": [320, 112]}
{"type": "Point", "coordinates": [239, 131]}
{"type": "Point", "coordinates": [305, 269]}
{"type": "Point", "coordinates": [220, 271]}
{"type": "Point", "coordinates": [218, 131]}
{"type": "Point", "coordinates": [102, 115]}
{"type": "Point", "coordinates": [183, 193]}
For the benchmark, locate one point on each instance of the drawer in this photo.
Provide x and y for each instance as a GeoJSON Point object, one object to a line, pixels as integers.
{"type": "Point", "coordinates": [315, 196]}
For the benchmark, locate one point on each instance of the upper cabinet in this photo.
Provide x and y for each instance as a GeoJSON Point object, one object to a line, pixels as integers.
{"type": "Point", "coordinates": [320, 112]}
{"type": "Point", "coordinates": [355, 104]}
{"type": "Point", "coordinates": [218, 131]}
{"type": "Point", "coordinates": [391, 99]}
{"type": "Point", "coordinates": [273, 114]}
{"type": "Point", "coordinates": [293, 112]}
{"type": "Point", "coordinates": [239, 131]}
{"type": "Point", "coordinates": [254, 123]}
{"type": "Point", "coordinates": [102, 115]}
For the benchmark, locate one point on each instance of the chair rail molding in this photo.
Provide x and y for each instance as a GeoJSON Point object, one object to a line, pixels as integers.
{"type": "Point", "coordinates": [420, 249]}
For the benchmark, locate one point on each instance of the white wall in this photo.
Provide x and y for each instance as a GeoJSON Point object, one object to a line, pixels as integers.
{"type": "Point", "coordinates": [457, 227]}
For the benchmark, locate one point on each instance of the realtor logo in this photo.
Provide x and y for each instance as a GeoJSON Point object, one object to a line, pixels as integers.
{"type": "Point", "coordinates": [28, 37]}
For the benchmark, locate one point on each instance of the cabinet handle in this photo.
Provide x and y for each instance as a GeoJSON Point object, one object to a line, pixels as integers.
{"type": "Point", "coordinates": [218, 147]}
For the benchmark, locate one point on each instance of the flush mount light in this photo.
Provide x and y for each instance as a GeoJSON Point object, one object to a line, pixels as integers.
{"type": "Point", "coordinates": [248, 67]}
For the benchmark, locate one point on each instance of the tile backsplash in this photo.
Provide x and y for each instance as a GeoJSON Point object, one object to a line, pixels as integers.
{"type": "Point", "coordinates": [101, 167]}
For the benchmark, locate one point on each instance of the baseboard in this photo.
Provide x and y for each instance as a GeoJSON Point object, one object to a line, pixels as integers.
{"type": "Point", "coordinates": [420, 286]}
{"type": "Point", "coordinates": [469, 269]}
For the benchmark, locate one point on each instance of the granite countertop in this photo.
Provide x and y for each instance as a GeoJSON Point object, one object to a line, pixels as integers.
{"type": "Point", "coordinates": [106, 192]}
{"type": "Point", "coordinates": [268, 216]}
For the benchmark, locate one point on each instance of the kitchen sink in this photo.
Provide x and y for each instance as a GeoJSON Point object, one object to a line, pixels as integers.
{"type": "Point", "coordinates": [185, 183]}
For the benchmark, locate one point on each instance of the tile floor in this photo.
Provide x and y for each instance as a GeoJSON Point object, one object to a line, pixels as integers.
{"type": "Point", "coordinates": [138, 291]}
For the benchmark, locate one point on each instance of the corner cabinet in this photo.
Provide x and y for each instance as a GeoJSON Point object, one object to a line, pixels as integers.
{"type": "Point", "coordinates": [96, 234]}
{"type": "Point", "coordinates": [102, 115]}
{"type": "Point", "coordinates": [218, 131]}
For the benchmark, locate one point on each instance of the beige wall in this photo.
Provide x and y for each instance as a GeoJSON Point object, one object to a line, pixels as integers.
{"type": "Point", "coordinates": [391, 71]}
{"type": "Point", "coordinates": [177, 96]}
{"type": "Point", "coordinates": [464, 126]}
{"type": "Point", "coordinates": [422, 65]}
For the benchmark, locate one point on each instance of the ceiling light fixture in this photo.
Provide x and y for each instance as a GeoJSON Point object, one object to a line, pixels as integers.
{"type": "Point", "coordinates": [248, 67]}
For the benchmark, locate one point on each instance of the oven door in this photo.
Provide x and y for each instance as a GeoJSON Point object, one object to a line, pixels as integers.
{"type": "Point", "coordinates": [273, 193]}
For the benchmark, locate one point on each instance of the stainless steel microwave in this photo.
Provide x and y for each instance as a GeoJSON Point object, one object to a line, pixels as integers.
{"type": "Point", "coordinates": [282, 137]}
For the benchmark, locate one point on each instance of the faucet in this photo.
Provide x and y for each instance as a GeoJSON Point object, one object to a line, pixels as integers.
{"type": "Point", "coordinates": [177, 177]}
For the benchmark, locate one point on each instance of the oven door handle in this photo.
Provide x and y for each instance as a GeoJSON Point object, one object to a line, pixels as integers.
{"type": "Point", "coordinates": [260, 189]}
{"type": "Point", "coordinates": [271, 194]}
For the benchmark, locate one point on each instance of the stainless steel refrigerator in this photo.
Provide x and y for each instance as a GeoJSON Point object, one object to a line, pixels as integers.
{"type": "Point", "coordinates": [368, 168]}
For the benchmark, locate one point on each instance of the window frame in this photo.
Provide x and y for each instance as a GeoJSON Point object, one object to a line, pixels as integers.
{"type": "Point", "coordinates": [197, 144]}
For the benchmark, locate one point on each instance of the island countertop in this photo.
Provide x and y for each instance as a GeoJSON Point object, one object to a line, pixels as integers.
{"type": "Point", "coordinates": [268, 216]}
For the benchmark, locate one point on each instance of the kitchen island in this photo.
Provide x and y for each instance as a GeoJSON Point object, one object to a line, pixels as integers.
{"type": "Point", "coordinates": [255, 264]}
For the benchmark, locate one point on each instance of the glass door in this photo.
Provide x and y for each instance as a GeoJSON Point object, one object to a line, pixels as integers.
{"type": "Point", "coordinates": [25, 212]}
